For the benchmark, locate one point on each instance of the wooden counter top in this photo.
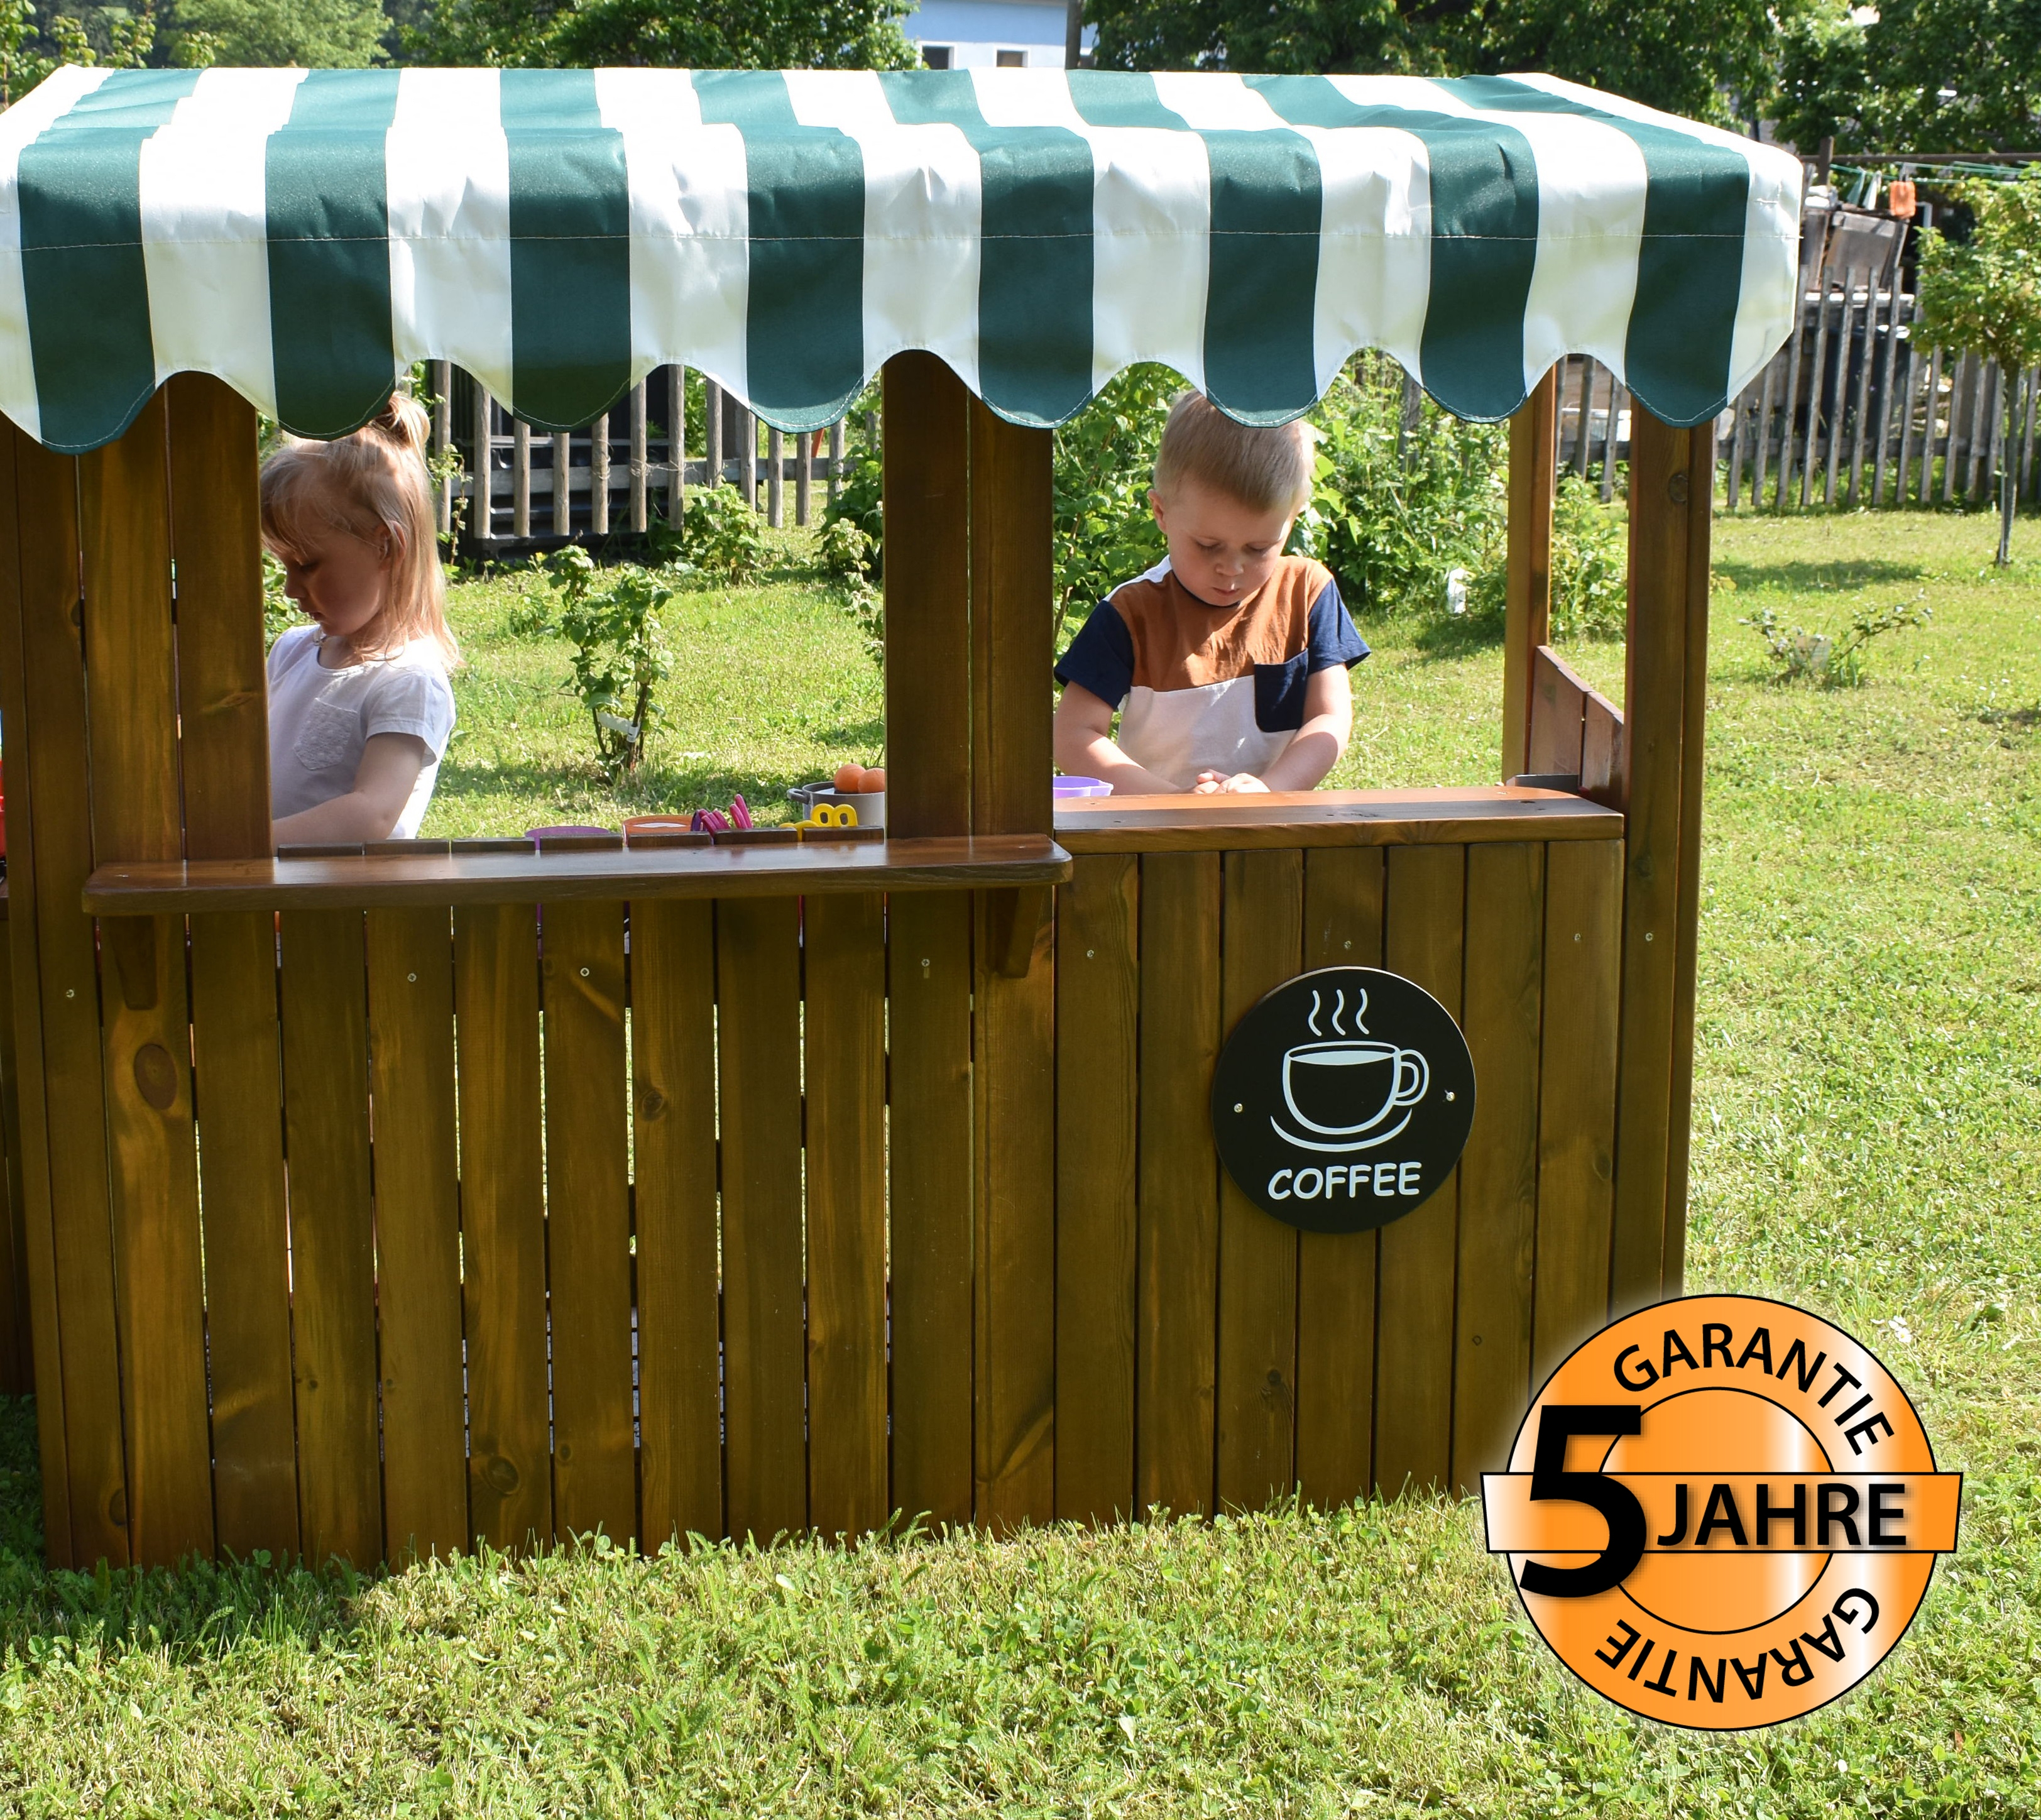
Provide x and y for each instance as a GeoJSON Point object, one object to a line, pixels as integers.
{"type": "Point", "coordinates": [1329, 818]}
{"type": "Point", "coordinates": [161, 887]}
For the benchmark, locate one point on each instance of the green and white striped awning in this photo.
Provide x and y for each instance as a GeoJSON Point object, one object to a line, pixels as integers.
{"type": "Point", "coordinates": [306, 235]}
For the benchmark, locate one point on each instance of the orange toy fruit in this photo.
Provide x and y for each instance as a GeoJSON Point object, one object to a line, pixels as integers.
{"type": "Point", "coordinates": [875, 778]}
{"type": "Point", "coordinates": [849, 777]}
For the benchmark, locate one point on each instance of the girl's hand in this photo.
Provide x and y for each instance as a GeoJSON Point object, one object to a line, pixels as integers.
{"type": "Point", "coordinates": [1219, 784]}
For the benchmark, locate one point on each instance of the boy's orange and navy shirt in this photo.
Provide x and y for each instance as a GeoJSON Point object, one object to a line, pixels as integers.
{"type": "Point", "coordinates": [1201, 688]}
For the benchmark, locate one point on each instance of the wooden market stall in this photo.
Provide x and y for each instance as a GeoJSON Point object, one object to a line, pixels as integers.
{"type": "Point", "coordinates": [375, 1202]}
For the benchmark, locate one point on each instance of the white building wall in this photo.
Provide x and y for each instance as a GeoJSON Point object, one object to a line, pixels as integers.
{"type": "Point", "coordinates": [974, 33]}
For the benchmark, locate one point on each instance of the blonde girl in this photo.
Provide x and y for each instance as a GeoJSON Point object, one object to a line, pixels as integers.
{"type": "Point", "coordinates": [360, 707]}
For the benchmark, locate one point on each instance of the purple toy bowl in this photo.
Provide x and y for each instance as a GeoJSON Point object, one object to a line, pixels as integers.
{"type": "Point", "coordinates": [564, 828]}
{"type": "Point", "coordinates": [1080, 787]}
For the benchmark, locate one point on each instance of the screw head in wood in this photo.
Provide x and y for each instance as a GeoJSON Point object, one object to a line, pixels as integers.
{"type": "Point", "coordinates": [1676, 489]}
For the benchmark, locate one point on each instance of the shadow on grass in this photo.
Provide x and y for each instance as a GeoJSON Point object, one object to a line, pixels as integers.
{"type": "Point", "coordinates": [656, 788]}
{"type": "Point", "coordinates": [1802, 577]}
{"type": "Point", "coordinates": [201, 1608]}
{"type": "Point", "coordinates": [1444, 638]}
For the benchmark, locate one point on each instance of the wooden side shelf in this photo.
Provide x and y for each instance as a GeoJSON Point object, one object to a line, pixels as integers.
{"type": "Point", "coordinates": [172, 887]}
{"type": "Point", "coordinates": [1330, 819]}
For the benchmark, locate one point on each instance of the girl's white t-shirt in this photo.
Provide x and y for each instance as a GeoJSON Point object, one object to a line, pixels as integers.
{"type": "Point", "coordinates": [320, 720]}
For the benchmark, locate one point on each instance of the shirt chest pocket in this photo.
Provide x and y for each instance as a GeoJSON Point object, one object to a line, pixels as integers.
{"type": "Point", "coordinates": [1279, 694]}
{"type": "Point", "coordinates": [330, 736]}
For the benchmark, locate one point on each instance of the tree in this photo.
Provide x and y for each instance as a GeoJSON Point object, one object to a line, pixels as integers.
{"type": "Point", "coordinates": [1954, 75]}
{"type": "Point", "coordinates": [707, 35]}
{"type": "Point", "coordinates": [1311, 36]}
{"type": "Point", "coordinates": [1825, 86]}
{"type": "Point", "coordinates": [310, 34]}
{"type": "Point", "coordinates": [1983, 296]}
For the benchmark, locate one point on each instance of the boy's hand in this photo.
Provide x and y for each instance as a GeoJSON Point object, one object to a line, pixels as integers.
{"type": "Point", "coordinates": [1219, 783]}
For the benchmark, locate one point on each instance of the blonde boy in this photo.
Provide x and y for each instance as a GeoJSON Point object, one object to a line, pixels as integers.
{"type": "Point", "coordinates": [1227, 662]}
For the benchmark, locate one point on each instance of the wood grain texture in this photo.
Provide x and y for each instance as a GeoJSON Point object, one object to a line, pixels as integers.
{"type": "Point", "coordinates": [222, 700]}
{"type": "Point", "coordinates": [1688, 902]}
{"type": "Point", "coordinates": [1661, 476]}
{"type": "Point", "coordinates": [1534, 456]}
{"type": "Point", "coordinates": [1013, 1078]}
{"type": "Point", "coordinates": [1505, 974]}
{"type": "Point", "coordinates": [1422, 939]}
{"type": "Point", "coordinates": [67, 990]}
{"type": "Point", "coordinates": [430, 879]}
{"type": "Point", "coordinates": [1177, 1331]}
{"type": "Point", "coordinates": [1286, 820]}
{"type": "Point", "coordinates": [1261, 945]}
{"type": "Point", "coordinates": [588, 1219]}
{"type": "Point", "coordinates": [417, 1232]}
{"type": "Point", "coordinates": [503, 1225]}
{"type": "Point", "coordinates": [152, 1158]}
{"type": "Point", "coordinates": [929, 984]}
{"type": "Point", "coordinates": [239, 1086]}
{"type": "Point", "coordinates": [1558, 698]}
{"type": "Point", "coordinates": [22, 559]}
{"type": "Point", "coordinates": [1012, 588]}
{"type": "Point", "coordinates": [845, 1058]}
{"type": "Point", "coordinates": [1577, 1098]}
{"type": "Point", "coordinates": [672, 1059]}
{"type": "Point", "coordinates": [927, 416]}
{"type": "Point", "coordinates": [16, 1362]}
{"type": "Point", "coordinates": [758, 995]}
{"type": "Point", "coordinates": [1336, 1272]}
{"type": "Point", "coordinates": [1098, 1008]}
{"type": "Point", "coordinates": [326, 1140]}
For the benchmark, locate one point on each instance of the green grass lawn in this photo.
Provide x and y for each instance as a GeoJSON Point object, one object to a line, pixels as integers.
{"type": "Point", "coordinates": [1868, 1094]}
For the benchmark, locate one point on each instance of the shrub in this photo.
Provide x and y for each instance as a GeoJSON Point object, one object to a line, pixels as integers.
{"type": "Point", "coordinates": [847, 556]}
{"type": "Point", "coordinates": [1590, 564]}
{"type": "Point", "coordinates": [611, 618]}
{"type": "Point", "coordinates": [722, 536]}
{"type": "Point", "coordinates": [1798, 655]}
{"type": "Point", "coordinates": [1105, 532]}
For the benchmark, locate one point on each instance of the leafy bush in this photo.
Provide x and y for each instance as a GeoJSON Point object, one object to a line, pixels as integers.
{"type": "Point", "coordinates": [1105, 532]}
{"type": "Point", "coordinates": [1590, 564]}
{"type": "Point", "coordinates": [847, 556]}
{"type": "Point", "coordinates": [859, 504]}
{"type": "Point", "coordinates": [620, 654]}
{"type": "Point", "coordinates": [722, 536]}
{"type": "Point", "coordinates": [280, 612]}
{"type": "Point", "coordinates": [1394, 512]}
{"type": "Point", "coordinates": [1798, 655]}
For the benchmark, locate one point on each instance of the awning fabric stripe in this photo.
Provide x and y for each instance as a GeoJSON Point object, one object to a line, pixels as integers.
{"type": "Point", "coordinates": [306, 235]}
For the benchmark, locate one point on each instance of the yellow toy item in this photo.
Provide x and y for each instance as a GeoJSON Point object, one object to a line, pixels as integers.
{"type": "Point", "coordinates": [829, 815]}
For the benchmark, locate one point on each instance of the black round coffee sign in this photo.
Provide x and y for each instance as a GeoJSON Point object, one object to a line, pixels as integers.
{"type": "Point", "coordinates": [1343, 1100]}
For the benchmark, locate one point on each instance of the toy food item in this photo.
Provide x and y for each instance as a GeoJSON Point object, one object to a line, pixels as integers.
{"type": "Point", "coordinates": [875, 778]}
{"type": "Point", "coordinates": [848, 776]}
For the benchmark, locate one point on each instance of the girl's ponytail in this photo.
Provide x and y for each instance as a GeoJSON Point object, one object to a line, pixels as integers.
{"type": "Point", "coordinates": [402, 420]}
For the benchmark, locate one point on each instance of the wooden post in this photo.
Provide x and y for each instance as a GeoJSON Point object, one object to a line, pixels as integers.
{"type": "Point", "coordinates": [1786, 426]}
{"type": "Point", "coordinates": [638, 519]}
{"type": "Point", "coordinates": [598, 476]}
{"type": "Point", "coordinates": [747, 457]}
{"type": "Point", "coordinates": [443, 437]}
{"type": "Point", "coordinates": [562, 488]}
{"type": "Point", "coordinates": [481, 504]}
{"type": "Point", "coordinates": [521, 478]}
{"type": "Point", "coordinates": [836, 458]}
{"type": "Point", "coordinates": [1611, 436]}
{"type": "Point", "coordinates": [1667, 658]}
{"type": "Point", "coordinates": [676, 445]}
{"type": "Point", "coordinates": [804, 474]}
{"type": "Point", "coordinates": [1533, 479]}
{"type": "Point", "coordinates": [776, 491]}
{"type": "Point", "coordinates": [1583, 412]}
{"type": "Point", "coordinates": [711, 433]}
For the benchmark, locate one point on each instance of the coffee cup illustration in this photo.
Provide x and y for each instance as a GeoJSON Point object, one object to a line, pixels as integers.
{"type": "Point", "coordinates": [1344, 1091]}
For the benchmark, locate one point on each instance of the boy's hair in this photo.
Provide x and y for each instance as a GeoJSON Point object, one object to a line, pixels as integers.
{"type": "Point", "coordinates": [1266, 470]}
{"type": "Point", "coordinates": [372, 485]}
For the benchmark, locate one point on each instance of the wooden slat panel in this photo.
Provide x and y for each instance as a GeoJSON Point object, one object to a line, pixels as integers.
{"type": "Point", "coordinates": [927, 638]}
{"type": "Point", "coordinates": [672, 1058]}
{"type": "Point", "coordinates": [1577, 1096]}
{"type": "Point", "coordinates": [1655, 733]}
{"type": "Point", "coordinates": [17, 1363]}
{"type": "Point", "coordinates": [759, 1010]}
{"type": "Point", "coordinates": [1558, 700]}
{"type": "Point", "coordinates": [215, 535]}
{"type": "Point", "coordinates": [1336, 1272]}
{"type": "Point", "coordinates": [846, 1054]}
{"type": "Point", "coordinates": [1013, 1078]}
{"type": "Point", "coordinates": [1098, 1001]}
{"type": "Point", "coordinates": [417, 1231]}
{"type": "Point", "coordinates": [29, 565]}
{"type": "Point", "coordinates": [503, 1226]}
{"type": "Point", "coordinates": [1290, 819]}
{"type": "Point", "coordinates": [588, 1220]}
{"type": "Point", "coordinates": [1178, 1328]}
{"type": "Point", "coordinates": [1505, 915]}
{"type": "Point", "coordinates": [1422, 939]}
{"type": "Point", "coordinates": [1528, 616]}
{"type": "Point", "coordinates": [152, 1160]}
{"type": "Point", "coordinates": [325, 1117]}
{"type": "Point", "coordinates": [928, 981]}
{"type": "Point", "coordinates": [1603, 773]}
{"type": "Point", "coordinates": [1261, 945]}
{"type": "Point", "coordinates": [1013, 584]}
{"type": "Point", "coordinates": [239, 1086]}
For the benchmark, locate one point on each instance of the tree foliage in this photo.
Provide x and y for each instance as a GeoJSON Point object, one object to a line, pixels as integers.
{"type": "Point", "coordinates": [311, 34]}
{"type": "Point", "coordinates": [1983, 296]}
{"type": "Point", "coordinates": [709, 35]}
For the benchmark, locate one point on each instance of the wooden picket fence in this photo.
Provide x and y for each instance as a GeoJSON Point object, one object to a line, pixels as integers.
{"type": "Point", "coordinates": [619, 471]}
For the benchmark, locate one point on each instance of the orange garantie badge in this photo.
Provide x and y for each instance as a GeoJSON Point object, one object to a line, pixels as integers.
{"type": "Point", "coordinates": [1722, 1512]}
